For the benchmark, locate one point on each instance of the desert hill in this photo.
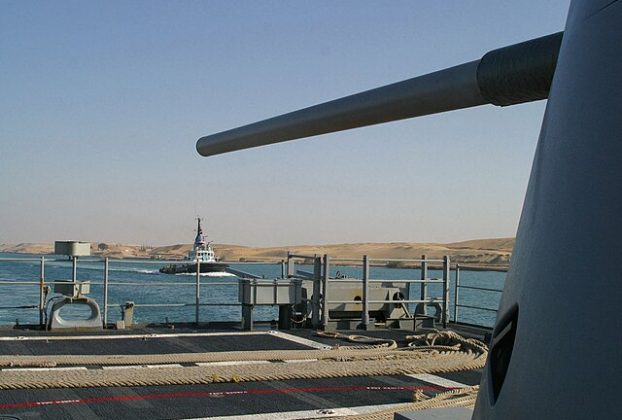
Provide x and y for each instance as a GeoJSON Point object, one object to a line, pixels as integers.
{"type": "Point", "coordinates": [480, 252]}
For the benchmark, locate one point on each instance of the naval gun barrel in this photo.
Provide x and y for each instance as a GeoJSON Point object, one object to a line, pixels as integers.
{"type": "Point", "coordinates": [506, 76]}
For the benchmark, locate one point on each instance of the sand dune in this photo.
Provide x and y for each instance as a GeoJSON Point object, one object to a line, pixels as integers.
{"type": "Point", "coordinates": [480, 252]}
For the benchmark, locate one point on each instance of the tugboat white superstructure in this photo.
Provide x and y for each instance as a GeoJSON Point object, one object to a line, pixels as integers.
{"type": "Point", "coordinates": [201, 253]}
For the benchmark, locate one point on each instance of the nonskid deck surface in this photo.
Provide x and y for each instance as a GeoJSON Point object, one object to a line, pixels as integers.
{"type": "Point", "coordinates": [322, 397]}
{"type": "Point", "coordinates": [147, 343]}
{"type": "Point", "coordinates": [279, 399]}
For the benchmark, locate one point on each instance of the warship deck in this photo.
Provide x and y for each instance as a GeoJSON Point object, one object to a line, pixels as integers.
{"type": "Point", "coordinates": [281, 399]}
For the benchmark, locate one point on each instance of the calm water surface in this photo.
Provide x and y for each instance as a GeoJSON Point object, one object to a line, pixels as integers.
{"type": "Point", "coordinates": [149, 290]}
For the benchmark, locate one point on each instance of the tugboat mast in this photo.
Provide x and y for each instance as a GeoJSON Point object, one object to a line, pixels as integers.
{"type": "Point", "coordinates": [199, 241]}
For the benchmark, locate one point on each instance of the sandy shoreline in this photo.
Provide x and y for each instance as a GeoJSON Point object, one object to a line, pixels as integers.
{"type": "Point", "coordinates": [481, 254]}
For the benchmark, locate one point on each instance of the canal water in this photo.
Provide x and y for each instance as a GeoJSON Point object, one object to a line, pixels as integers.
{"type": "Point", "coordinates": [149, 287]}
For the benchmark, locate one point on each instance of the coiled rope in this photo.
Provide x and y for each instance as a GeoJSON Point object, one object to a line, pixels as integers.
{"type": "Point", "coordinates": [363, 341]}
{"type": "Point", "coordinates": [460, 397]}
{"type": "Point", "coordinates": [338, 362]}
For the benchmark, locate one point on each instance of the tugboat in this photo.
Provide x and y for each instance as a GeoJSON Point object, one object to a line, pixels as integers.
{"type": "Point", "coordinates": [202, 252]}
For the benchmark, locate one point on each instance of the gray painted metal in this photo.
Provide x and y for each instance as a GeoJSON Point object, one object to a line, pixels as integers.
{"type": "Point", "coordinates": [317, 287]}
{"type": "Point", "coordinates": [74, 269]}
{"type": "Point", "coordinates": [72, 248]}
{"type": "Point", "coordinates": [456, 292]}
{"type": "Point", "coordinates": [94, 320]}
{"type": "Point", "coordinates": [424, 286]}
{"type": "Point", "coordinates": [519, 73]}
{"type": "Point", "coordinates": [448, 89]}
{"type": "Point", "coordinates": [365, 292]}
{"type": "Point", "coordinates": [106, 280]}
{"type": "Point", "coordinates": [325, 277]}
{"type": "Point", "coordinates": [41, 291]}
{"type": "Point", "coordinates": [570, 215]}
{"type": "Point", "coordinates": [510, 75]}
{"type": "Point", "coordinates": [197, 294]}
{"type": "Point", "coordinates": [446, 280]}
{"type": "Point", "coordinates": [565, 362]}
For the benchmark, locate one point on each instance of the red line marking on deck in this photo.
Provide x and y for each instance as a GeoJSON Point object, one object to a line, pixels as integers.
{"type": "Point", "coordinates": [119, 398]}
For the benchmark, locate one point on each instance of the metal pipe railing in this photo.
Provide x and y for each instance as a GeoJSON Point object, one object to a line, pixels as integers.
{"type": "Point", "coordinates": [419, 260]}
{"type": "Point", "coordinates": [483, 289]}
{"type": "Point", "coordinates": [365, 292]}
{"type": "Point", "coordinates": [456, 292]}
{"type": "Point", "coordinates": [478, 307]}
{"type": "Point", "coordinates": [325, 277]}
{"type": "Point", "coordinates": [197, 296]}
{"type": "Point", "coordinates": [317, 287]}
{"type": "Point", "coordinates": [42, 291]}
{"type": "Point", "coordinates": [106, 267]}
{"type": "Point", "coordinates": [319, 300]}
{"type": "Point", "coordinates": [362, 302]}
{"type": "Point", "coordinates": [446, 277]}
{"type": "Point", "coordinates": [366, 280]}
{"type": "Point", "coordinates": [424, 286]}
{"type": "Point", "coordinates": [41, 284]}
{"type": "Point", "coordinates": [458, 286]}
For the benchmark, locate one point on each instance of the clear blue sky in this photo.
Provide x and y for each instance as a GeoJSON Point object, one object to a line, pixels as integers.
{"type": "Point", "coordinates": [101, 104]}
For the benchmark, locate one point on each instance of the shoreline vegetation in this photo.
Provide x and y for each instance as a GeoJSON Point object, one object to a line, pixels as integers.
{"type": "Point", "coordinates": [473, 255]}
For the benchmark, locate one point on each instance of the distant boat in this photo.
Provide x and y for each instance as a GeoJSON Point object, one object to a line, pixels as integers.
{"type": "Point", "coordinates": [202, 252]}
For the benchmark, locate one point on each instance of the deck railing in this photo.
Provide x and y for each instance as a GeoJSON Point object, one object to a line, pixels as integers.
{"type": "Point", "coordinates": [458, 287]}
{"type": "Point", "coordinates": [320, 278]}
{"type": "Point", "coordinates": [366, 280]}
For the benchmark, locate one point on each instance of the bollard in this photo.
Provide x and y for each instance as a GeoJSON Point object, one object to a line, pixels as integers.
{"type": "Point", "coordinates": [127, 314]}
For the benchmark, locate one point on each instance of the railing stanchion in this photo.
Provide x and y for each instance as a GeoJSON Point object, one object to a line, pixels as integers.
{"type": "Point", "coordinates": [282, 269]}
{"type": "Point", "coordinates": [315, 299]}
{"type": "Point", "coordinates": [424, 286]}
{"type": "Point", "coordinates": [106, 269]}
{"type": "Point", "coordinates": [74, 270]}
{"type": "Point", "coordinates": [197, 297]}
{"type": "Point", "coordinates": [325, 277]}
{"type": "Point", "coordinates": [456, 292]}
{"type": "Point", "coordinates": [365, 292]}
{"type": "Point", "coordinates": [41, 292]}
{"type": "Point", "coordinates": [291, 265]}
{"type": "Point", "coordinates": [446, 274]}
